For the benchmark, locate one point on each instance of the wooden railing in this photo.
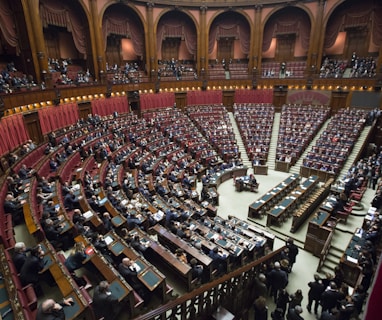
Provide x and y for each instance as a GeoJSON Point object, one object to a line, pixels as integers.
{"type": "Point", "coordinates": [325, 250]}
{"type": "Point", "coordinates": [233, 291]}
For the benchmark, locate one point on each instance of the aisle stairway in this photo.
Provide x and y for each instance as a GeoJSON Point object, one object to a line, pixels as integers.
{"type": "Point", "coordinates": [298, 164]}
{"type": "Point", "coordinates": [271, 162]}
{"type": "Point", "coordinates": [239, 140]}
{"type": "Point", "coordinates": [355, 152]}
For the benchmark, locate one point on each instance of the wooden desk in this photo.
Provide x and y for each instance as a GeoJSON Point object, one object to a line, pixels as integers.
{"type": "Point", "coordinates": [317, 233]}
{"type": "Point", "coordinates": [259, 169]}
{"type": "Point", "coordinates": [168, 238]}
{"type": "Point", "coordinates": [221, 177]}
{"type": "Point", "coordinates": [257, 208]}
{"type": "Point", "coordinates": [280, 211]}
{"type": "Point", "coordinates": [183, 270]}
{"type": "Point", "coordinates": [349, 260]}
{"type": "Point", "coordinates": [147, 274]}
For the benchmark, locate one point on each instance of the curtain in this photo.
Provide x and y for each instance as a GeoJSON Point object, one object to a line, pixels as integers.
{"type": "Point", "coordinates": [288, 22]}
{"type": "Point", "coordinates": [13, 133]}
{"type": "Point", "coordinates": [358, 14]}
{"type": "Point", "coordinates": [177, 27]}
{"type": "Point", "coordinates": [55, 13]}
{"type": "Point", "coordinates": [7, 25]}
{"type": "Point", "coordinates": [157, 100]}
{"type": "Point", "coordinates": [105, 107]}
{"type": "Point", "coordinates": [204, 97]}
{"type": "Point", "coordinates": [253, 96]}
{"type": "Point", "coordinates": [53, 118]}
{"type": "Point", "coordinates": [230, 27]}
{"type": "Point", "coordinates": [124, 26]}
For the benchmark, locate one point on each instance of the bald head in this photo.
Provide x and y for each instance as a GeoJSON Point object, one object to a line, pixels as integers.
{"type": "Point", "coordinates": [48, 305]}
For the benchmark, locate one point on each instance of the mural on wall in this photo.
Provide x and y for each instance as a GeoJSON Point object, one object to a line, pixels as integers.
{"type": "Point", "coordinates": [306, 97]}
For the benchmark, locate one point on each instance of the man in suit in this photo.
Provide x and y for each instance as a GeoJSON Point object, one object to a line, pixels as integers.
{"type": "Point", "coordinates": [278, 279]}
{"type": "Point", "coordinates": [105, 304]}
{"type": "Point", "coordinates": [51, 310]}
{"type": "Point", "coordinates": [15, 208]}
{"type": "Point", "coordinates": [315, 292]}
{"type": "Point", "coordinates": [30, 271]}
{"type": "Point", "coordinates": [19, 255]}
{"type": "Point", "coordinates": [129, 270]}
{"type": "Point", "coordinates": [331, 297]}
{"type": "Point", "coordinates": [71, 201]}
{"type": "Point", "coordinates": [219, 261]}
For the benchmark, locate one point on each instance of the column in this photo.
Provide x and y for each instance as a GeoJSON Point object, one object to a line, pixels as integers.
{"type": "Point", "coordinates": [203, 43]}
{"type": "Point", "coordinates": [36, 37]}
{"type": "Point", "coordinates": [98, 45]}
{"type": "Point", "coordinates": [152, 60]}
{"type": "Point", "coordinates": [256, 36]}
{"type": "Point", "coordinates": [317, 41]}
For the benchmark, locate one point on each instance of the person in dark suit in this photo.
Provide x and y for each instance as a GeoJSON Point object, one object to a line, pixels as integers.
{"type": "Point", "coordinates": [71, 201]}
{"type": "Point", "coordinates": [292, 253]}
{"type": "Point", "coordinates": [15, 208]}
{"type": "Point", "coordinates": [278, 279]}
{"type": "Point", "coordinates": [315, 292]}
{"type": "Point", "coordinates": [219, 261]}
{"type": "Point", "coordinates": [19, 255]}
{"type": "Point", "coordinates": [260, 309]}
{"type": "Point", "coordinates": [105, 304]}
{"type": "Point", "coordinates": [129, 270]}
{"type": "Point", "coordinates": [295, 313]}
{"type": "Point", "coordinates": [51, 310]}
{"type": "Point", "coordinates": [53, 232]}
{"type": "Point", "coordinates": [331, 297]}
{"type": "Point", "coordinates": [24, 172]}
{"type": "Point", "coordinates": [33, 264]}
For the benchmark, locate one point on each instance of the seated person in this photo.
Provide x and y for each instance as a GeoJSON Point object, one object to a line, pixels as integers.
{"type": "Point", "coordinates": [76, 258]}
{"type": "Point", "coordinates": [51, 310]}
{"type": "Point", "coordinates": [19, 255]}
{"type": "Point", "coordinates": [15, 208]}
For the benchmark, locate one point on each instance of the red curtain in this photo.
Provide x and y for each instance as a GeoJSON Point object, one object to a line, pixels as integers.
{"type": "Point", "coordinates": [61, 116]}
{"type": "Point", "coordinates": [13, 133]}
{"type": "Point", "coordinates": [104, 107]}
{"type": "Point", "coordinates": [157, 100]}
{"type": "Point", "coordinates": [253, 96]}
{"type": "Point", "coordinates": [204, 97]}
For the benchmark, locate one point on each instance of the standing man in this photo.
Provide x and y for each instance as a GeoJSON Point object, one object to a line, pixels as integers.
{"type": "Point", "coordinates": [293, 252]}
{"type": "Point", "coordinates": [315, 292]}
{"type": "Point", "coordinates": [278, 280]}
{"type": "Point", "coordinates": [105, 304]}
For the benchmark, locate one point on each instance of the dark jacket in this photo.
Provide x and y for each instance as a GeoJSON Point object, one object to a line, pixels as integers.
{"type": "Point", "coordinates": [103, 304]}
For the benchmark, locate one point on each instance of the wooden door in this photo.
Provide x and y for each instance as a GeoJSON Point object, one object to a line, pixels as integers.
{"type": "Point", "coordinates": [113, 50]}
{"type": "Point", "coordinates": [84, 109]}
{"type": "Point", "coordinates": [32, 124]}
{"type": "Point", "coordinates": [285, 47]}
{"type": "Point", "coordinates": [357, 40]}
{"type": "Point", "coordinates": [170, 48]}
{"type": "Point", "coordinates": [225, 48]}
